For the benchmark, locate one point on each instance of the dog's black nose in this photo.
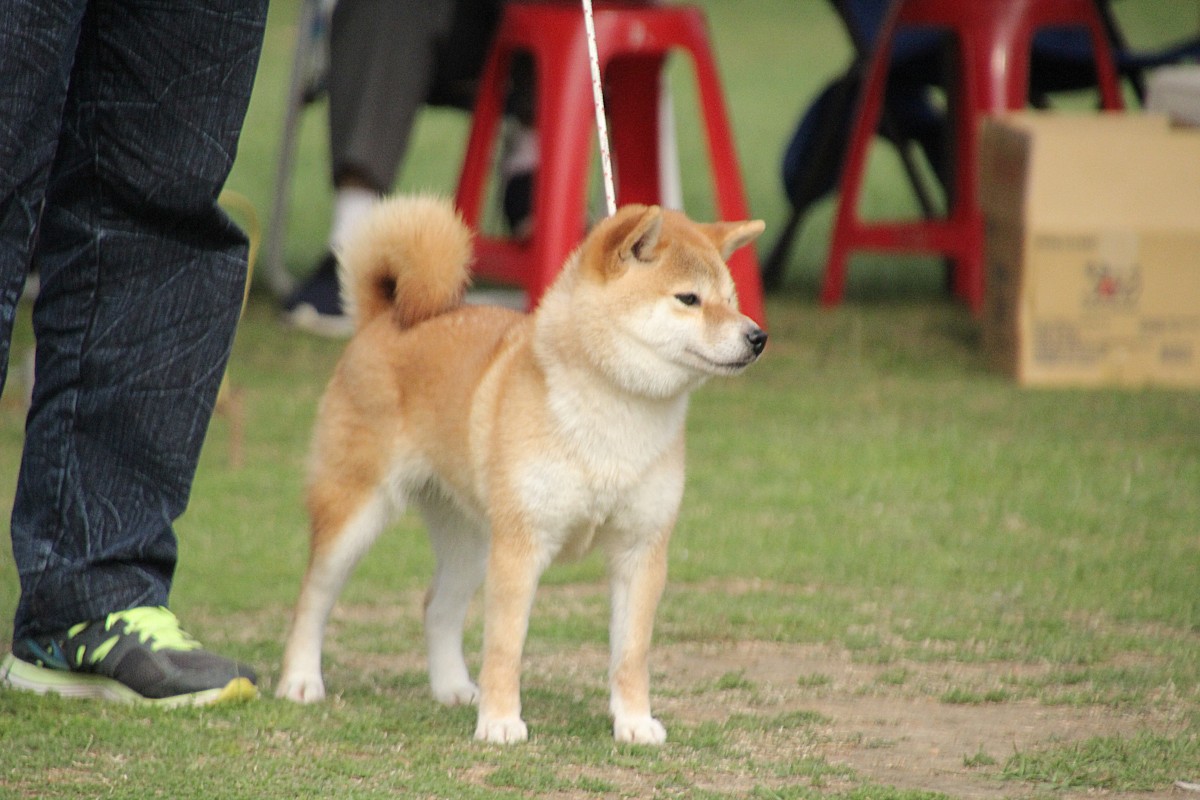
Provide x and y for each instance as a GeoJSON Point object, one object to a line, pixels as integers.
{"type": "Point", "coordinates": [757, 338]}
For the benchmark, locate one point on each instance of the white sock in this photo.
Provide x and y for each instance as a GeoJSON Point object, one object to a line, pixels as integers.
{"type": "Point", "coordinates": [350, 205]}
{"type": "Point", "coordinates": [521, 153]}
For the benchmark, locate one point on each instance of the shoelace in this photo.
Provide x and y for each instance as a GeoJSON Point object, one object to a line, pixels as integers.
{"type": "Point", "coordinates": [153, 625]}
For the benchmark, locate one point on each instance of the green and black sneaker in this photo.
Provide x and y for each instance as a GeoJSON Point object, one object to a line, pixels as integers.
{"type": "Point", "coordinates": [140, 655]}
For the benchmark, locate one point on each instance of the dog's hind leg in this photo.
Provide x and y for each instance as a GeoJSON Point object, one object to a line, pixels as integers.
{"type": "Point", "coordinates": [461, 549]}
{"type": "Point", "coordinates": [339, 541]}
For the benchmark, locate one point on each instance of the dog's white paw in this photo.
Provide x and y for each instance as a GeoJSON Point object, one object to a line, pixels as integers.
{"type": "Point", "coordinates": [301, 688]}
{"type": "Point", "coordinates": [463, 694]}
{"type": "Point", "coordinates": [639, 730]}
{"type": "Point", "coordinates": [501, 731]}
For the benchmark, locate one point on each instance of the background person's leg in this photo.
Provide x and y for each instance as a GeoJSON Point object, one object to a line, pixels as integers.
{"type": "Point", "coordinates": [382, 56]}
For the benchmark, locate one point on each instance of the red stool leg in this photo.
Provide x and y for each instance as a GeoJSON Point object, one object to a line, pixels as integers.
{"type": "Point", "coordinates": [632, 101]}
{"type": "Point", "coordinates": [1106, 70]}
{"type": "Point", "coordinates": [564, 140]}
{"type": "Point", "coordinates": [846, 222]}
{"type": "Point", "coordinates": [728, 190]}
{"type": "Point", "coordinates": [982, 90]}
{"type": "Point", "coordinates": [472, 181]}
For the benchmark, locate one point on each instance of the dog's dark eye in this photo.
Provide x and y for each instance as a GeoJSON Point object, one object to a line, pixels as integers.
{"type": "Point", "coordinates": [688, 299]}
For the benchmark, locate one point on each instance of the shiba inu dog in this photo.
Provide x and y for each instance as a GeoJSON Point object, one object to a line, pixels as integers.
{"type": "Point", "coordinates": [521, 439]}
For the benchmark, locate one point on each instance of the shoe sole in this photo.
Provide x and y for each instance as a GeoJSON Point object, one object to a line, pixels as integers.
{"type": "Point", "coordinates": [23, 676]}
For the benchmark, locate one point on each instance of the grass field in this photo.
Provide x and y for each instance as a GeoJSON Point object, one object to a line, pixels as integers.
{"type": "Point", "coordinates": [895, 574]}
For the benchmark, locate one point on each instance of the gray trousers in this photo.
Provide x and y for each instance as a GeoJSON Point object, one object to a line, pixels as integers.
{"type": "Point", "coordinates": [387, 59]}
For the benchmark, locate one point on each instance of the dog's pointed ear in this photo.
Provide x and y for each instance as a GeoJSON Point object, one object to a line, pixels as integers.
{"type": "Point", "coordinates": [729, 236]}
{"type": "Point", "coordinates": [642, 239]}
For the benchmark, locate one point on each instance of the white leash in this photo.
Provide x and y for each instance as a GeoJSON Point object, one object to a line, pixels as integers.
{"type": "Point", "coordinates": [598, 98]}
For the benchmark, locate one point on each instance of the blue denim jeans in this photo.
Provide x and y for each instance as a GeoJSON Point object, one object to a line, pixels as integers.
{"type": "Point", "coordinates": [119, 121]}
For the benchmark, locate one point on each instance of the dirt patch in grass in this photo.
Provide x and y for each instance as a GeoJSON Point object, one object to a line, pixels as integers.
{"type": "Point", "coordinates": [893, 732]}
{"type": "Point", "coordinates": [787, 710]}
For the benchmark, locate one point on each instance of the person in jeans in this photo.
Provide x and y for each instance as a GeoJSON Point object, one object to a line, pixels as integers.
{"type": "Point", "coordinates": [120, 124]}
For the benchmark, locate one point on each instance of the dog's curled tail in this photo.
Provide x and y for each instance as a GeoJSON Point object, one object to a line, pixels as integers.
{"type": "Point", "coordinates": [410, 256]}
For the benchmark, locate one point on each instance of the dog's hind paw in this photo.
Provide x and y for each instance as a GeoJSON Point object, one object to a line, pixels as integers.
{"type": "Point", "coordinates": [501, 731]}
{"type": "Point", "coordinates": [461, 695]}
{"type": "Point", "coordinates": [639, 730]}
{"type": "Point", "coordinates": [301, 688]}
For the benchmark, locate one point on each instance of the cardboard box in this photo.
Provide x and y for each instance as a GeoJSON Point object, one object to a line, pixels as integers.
{"type": "Point", "coordinates": [1092, 249]}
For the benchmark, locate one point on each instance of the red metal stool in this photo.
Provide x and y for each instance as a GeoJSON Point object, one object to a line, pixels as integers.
{"type": "Point", "coordinates": [633, 40]}
{"type": "Point", "coordinates": [993, 51]}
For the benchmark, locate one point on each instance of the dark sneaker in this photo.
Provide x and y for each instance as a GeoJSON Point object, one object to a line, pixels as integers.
{"type": "Point", "coordinates": [140, 655]}
{"type": "Point", "coordinates": [316, 306]}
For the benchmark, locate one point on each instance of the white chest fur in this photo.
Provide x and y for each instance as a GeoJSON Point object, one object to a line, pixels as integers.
{"type": "Point", "coordinates": [614, 467]}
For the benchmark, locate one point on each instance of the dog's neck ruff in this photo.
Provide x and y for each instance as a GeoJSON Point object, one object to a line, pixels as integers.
{"type": "Point", "coordinates": [594, 408]}
{"type": "Point", "coordinates": [632, 370]}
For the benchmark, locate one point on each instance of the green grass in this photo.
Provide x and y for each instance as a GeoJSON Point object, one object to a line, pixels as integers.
{"type": "Point", "coordinates": [871, 504]}
{"type": "Point", "coordinates": [1124, 764]}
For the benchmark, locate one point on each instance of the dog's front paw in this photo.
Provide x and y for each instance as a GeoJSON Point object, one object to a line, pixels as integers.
{"type": "Point", "coordinates": [639, 730]}
{"type": "Point", "coordinates": [301, 688]}
{"type": "Point", "coordinates": [466, 694]}
{"type": "Point", "coordinates": [501, 731]}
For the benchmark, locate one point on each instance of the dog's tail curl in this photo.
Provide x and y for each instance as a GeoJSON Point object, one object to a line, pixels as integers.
{"type": "Point", "coordinates": [411, 257]}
